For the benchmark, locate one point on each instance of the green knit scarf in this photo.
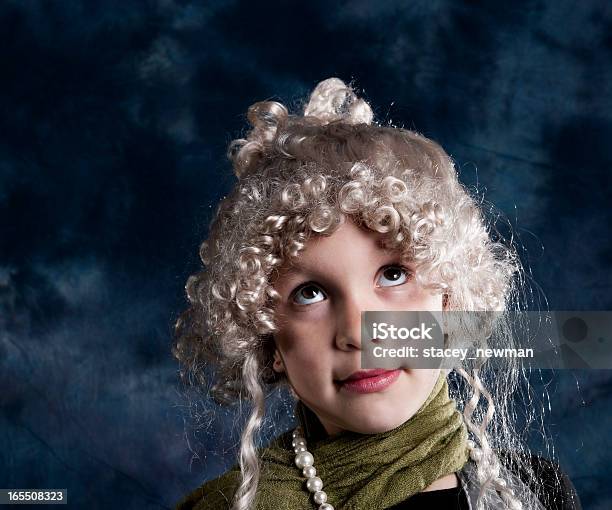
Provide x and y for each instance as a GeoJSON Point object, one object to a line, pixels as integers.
{"type": "Point", "coordinates": [359, 471]}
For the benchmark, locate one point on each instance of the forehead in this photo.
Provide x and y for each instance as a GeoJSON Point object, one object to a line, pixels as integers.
{"type": "Point", "coordinates": [348, 245]}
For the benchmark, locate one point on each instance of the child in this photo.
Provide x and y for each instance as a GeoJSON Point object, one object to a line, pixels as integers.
{"type": "Point", "coordinates": [333, 215]}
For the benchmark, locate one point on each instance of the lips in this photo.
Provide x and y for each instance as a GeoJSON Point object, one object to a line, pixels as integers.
{"type": "Point", "coordinates": [369, 381]}
{"type": "Point", "coordinates": [363, 374]}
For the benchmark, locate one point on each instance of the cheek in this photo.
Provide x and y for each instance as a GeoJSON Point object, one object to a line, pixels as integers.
{"type": "Point", "coordinates": [422, 382]}
{"type": "Point", "coordinates": [305, 355]}
{"type": "Point", "coordinates": [305, 350]}
{"type": "Point", "coordinates": [308, 371]}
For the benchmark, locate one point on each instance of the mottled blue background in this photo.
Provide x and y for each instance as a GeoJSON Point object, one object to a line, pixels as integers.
{"type": "Point", "coordinates": [114, 121]}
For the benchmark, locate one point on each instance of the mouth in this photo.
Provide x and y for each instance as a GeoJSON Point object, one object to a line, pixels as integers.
{"type": "Point", "coordinates": [369, 381]}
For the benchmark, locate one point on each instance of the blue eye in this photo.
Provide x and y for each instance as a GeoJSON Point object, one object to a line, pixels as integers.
{"type": "Point", "coordinates": [394, 275]}
{"type": "Point", "coordinates": [308, 294]}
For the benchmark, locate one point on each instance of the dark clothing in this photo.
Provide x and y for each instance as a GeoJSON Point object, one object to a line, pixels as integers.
{"type": "Point", "coordinates": [445, 498]}
{"type": "Point", "coordinates": [558, 495]}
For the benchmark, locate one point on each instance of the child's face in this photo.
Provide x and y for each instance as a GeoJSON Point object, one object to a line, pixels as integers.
{"type": "Point", "coordinates": [319, 337]}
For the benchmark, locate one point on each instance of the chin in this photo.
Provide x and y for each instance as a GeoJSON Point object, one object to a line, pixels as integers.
{"type": "Point", "coordinates": [376, 423]}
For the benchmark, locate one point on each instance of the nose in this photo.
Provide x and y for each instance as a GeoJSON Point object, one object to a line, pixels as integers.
{"type": "Point", "coordinates": [348, 324]}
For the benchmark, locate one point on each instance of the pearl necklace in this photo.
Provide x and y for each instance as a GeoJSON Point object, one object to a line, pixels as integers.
{"type": "Point", "coordinates": [305, 461]}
